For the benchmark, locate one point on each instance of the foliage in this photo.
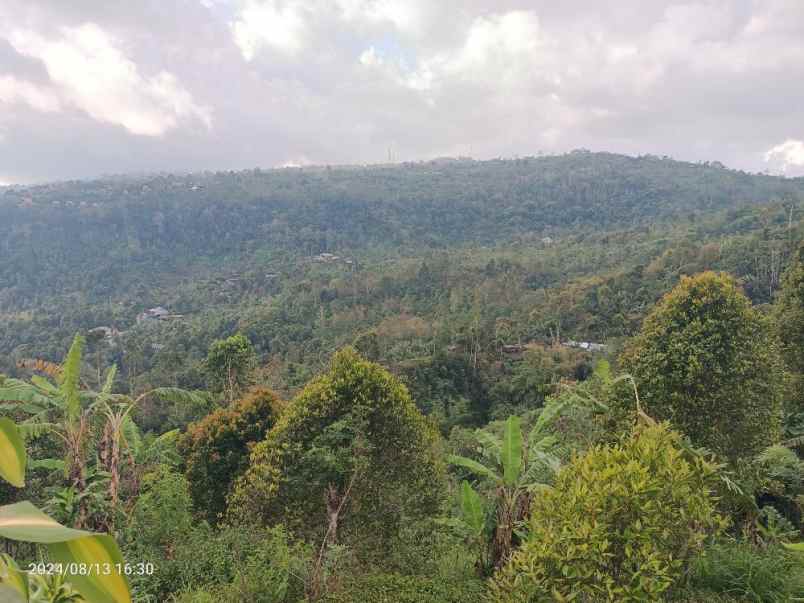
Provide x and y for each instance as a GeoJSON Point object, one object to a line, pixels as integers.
{"type": "Point", "coordinates": [748, 573]}
{"type": "Point", "coordinates": [705, 361]}
{"type": "Point", "coordinates": [230, 364]}
{"type": "Point", "coordinates": [216, 449]}
{"type": "Point", "coordinates": [619, 525]}
{"type": "Point", "coordinates": [353, 435]}
{"type": "Point", "coordinates": [514, 469]}
{"type": "Point", "coordinates": [395, 588]}
{"type": "Point", "coordinates": [70, 547]}
{"type": "Point", "coordinates": [788, 317]}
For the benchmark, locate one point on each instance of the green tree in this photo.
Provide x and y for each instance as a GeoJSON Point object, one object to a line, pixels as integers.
{"type": "Point", "coordinates": [705, 360]}
{"type": "Point", "coordinates": [216, 449]}
{"type": "Point", "coordinates": [230, 364]}
{"type": "Point", "coordinates": [349, 458]}
{"type": "Point", "coordinates": [619, 525]}
{"type": "Point", "coordinates": [788, 318]}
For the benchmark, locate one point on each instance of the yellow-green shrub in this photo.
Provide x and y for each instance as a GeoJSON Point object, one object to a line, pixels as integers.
{"type": "Point", "coordinates": [619, 525]}
{"type": "Point", "coordinates": [216, 449]}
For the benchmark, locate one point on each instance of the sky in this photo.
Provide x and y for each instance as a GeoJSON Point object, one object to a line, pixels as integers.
{"type": "Point", "coordinates": [94, 87]}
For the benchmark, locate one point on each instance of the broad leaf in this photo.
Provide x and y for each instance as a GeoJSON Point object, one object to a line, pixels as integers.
{"type": "Point", "coordinates": [546, 416]}
{"type": "Point", "coordinates": [797, 547]}
{"type": "Point", "coordinates": [490, 443]}
{"type": "Point", "coordinates": [512, 451]}
{"type": "Point", "coordinates": [14, 390]}
{"type": "Point", "coordinates": [44, 385]}
{"type": "Point", "coordinates": [12, 454]}
{"type": "Point", "coordinates": [473, 466]}
{"type": "Point", "coordinates": [97, 551]}
{"type": "Point", "coordinates": [177, 395]}
{"type": "Point", "coordinates": [23, 521]}
{"type": "Point", "coordinates": [472, 509]}
{"type": "Point", "coordinates": [12, 579]}
{"type": "Point", "coordinates": [71, 375]}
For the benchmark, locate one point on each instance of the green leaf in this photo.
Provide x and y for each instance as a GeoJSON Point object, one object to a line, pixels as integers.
{"type": "Point", "coordinates": [71, 375]}
{"type": "Point", "coordinates": [512, 451]}
{"type": "Point", "coordinates": [14, 390]}
{"type": "Point", "coordinates": [546, 416]}
{"type": "Point", "coordinates": [472, 508]}
{"type": "Point", "coordinates": [12, 454]}
{"type": "Point", "coordinates": [51, 464]}
{"type": "Point", "coordinates": [96, 551]}
{"type": "Point", "coordinates": [178, 395]}
{"type": "Point", "coordinates": [603, 370]}
{"type": "Point", "coordinates": [490, 442]}
{"type": "Point", "coordinates": [797, 547]}
{"type": "Point", "coordinates": [12, 579]}
{"type": "Point", "coordinates": [473, 466]}
{"type": "Point", "coordinates": [44, 385]}
{"type": "Point", "coordinates": [109, 384]}
{"type": "Point", "coordinates": [23, 521]}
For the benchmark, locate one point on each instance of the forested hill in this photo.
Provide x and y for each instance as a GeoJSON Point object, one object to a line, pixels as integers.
{"type": "Point", "coordinates": [90, 236]}
{"type": "Point", "coordinates": [431, 256]}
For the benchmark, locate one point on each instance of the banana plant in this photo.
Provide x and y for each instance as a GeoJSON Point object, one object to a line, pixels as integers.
{"type": "Point", "coordinates": [68, 410]}
{"type": "Point", "coordinates": [93, 561]}
{"type": "Point", "coordinates": [515, 469]}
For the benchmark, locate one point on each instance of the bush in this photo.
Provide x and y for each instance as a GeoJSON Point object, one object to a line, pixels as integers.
{"type": "Point", "coordinates": [395, 588]}
{"type": "Point", "coordinates": [259, 569]}
{"type": "Point", "coordinates": [216, 448]}
{"type": "Point", "coordinates": [705, 361]}
{"type": "Point", "coordinates": [619, 525]}
{"type": "Point", "coordinates": [748, 573]}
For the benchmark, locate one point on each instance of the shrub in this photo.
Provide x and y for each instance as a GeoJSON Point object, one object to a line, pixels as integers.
{"type": "Point", "coordinates": [395, 588]}
{"type": "Point", "coordinates": [259, 570]}
{"type": "Point", "coordinates": [705, 361]}
{"type": "Point", "coordinates": [216, 449]}
{"type": "Point", "coordinates": [619, 525]}
{"type": "Point", "coordinates": [747, 573]}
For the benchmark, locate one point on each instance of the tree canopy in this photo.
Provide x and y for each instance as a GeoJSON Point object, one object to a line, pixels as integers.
{"type": "Point", "coordinates": [706, 361]}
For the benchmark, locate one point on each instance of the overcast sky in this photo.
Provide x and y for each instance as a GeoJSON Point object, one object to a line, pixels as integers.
{"type": "Point", "coordinates": [91, 87]}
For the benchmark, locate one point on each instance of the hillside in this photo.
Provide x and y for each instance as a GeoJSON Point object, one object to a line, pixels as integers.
{"type": "Point", "coordinates": [433, 256]}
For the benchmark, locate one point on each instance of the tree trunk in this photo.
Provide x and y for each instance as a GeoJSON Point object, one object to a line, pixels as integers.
{"type": "Point", "coordinates": [333, 500]}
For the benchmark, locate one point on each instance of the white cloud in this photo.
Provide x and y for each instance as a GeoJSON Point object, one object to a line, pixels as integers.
{"type": "Point", "coordinates": [788, 154]}
{"type": "Point", "coordinates": [89, 71]}
{"type": "Point", "coordinates": [296, 162]}
{"type": "Point", "coordinates": [278, 25]}
{"type": "Point", "coordinates": [14, 90]}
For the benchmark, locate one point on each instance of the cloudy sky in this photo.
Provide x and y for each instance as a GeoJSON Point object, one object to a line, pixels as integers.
{"type": "Point", "coordinates": [91, 87]}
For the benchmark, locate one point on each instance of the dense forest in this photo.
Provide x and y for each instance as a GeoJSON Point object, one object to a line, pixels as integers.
{"type": "Point", "coordinates": [566, 378]}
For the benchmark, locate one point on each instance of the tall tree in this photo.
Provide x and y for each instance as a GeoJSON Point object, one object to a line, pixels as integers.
{"type": "Point", "coordinates": [789, 322]}
{"type": "Point", "coordinates": [230, 364]}
{"type": "Point", "coordinates": [216, 449]}
{"type": "Point", "coordinates": [706, 361]}
{"type": "Point", "coordinates": [350, 456]}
